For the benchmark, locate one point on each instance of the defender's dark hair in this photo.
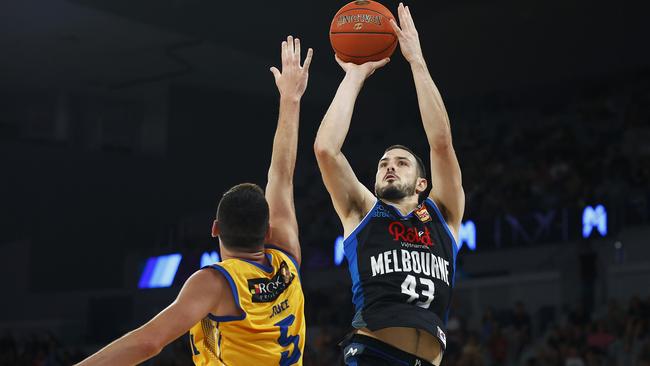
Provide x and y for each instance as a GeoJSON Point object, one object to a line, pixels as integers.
{"type": "Point", "coordinates": [243, 216]}
{"type": "Point", "coordinates": [422, 171]}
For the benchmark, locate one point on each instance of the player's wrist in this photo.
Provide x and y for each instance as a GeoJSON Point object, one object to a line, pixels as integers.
{"type": "Point", "coordinates": [290, 98]}
{"type": "Point", "coordinates": [356, 77]}
{"type": "Point", "coordinates": [417, 62]}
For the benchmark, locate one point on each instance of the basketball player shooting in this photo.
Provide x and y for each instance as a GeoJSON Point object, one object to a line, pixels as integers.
{"type": "Point", "coordinates": [247, 309]}
{"type": "Point", "coordinates": [400, 251]}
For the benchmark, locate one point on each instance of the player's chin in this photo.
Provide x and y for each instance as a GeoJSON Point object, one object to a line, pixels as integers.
{"type": "Point", "coordinates": [391, 192]}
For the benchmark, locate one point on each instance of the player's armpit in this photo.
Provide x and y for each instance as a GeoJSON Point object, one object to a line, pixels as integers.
{"type": "Point", "coordinates": [351, 199]}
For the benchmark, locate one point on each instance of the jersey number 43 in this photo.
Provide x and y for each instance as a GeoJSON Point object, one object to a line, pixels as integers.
{"type": "Point", "coordinates": [409, 288]}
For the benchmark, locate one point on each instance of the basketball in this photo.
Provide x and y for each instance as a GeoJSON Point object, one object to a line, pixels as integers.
{"type": "Point", "coordinates": [361, 32]}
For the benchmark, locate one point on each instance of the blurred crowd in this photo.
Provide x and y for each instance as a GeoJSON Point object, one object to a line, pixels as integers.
{"type": "Point", "coordinates": [593, 149]}
{"type": "Point", "coordinates": [43, 349]}
{"type": "Point", "coordinates": [613, 335]}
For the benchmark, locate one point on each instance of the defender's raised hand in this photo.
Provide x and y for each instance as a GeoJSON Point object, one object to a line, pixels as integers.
{"type": "Point", "coordinates": [409, 42]}
{"type": "Point", "coordinates": [292, 80]}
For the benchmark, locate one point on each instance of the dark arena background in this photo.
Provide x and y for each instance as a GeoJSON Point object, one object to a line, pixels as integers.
{"type": "Point", "coordinates": [122, 122]}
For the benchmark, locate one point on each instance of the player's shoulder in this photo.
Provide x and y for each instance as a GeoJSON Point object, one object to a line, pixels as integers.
{"type": "Point", "coordinates": [439, 209]}
{"type": "Point", "coordinates": [209, 278]}
{"type": "Point", "coordinates": [214, 272]}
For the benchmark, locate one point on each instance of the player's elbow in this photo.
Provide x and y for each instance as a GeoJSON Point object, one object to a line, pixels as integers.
{"type": "Point", "coordinates": [150, 347]}
{"type": "Point", "coordinates": [282, 176]}
{"type": "Point", "coordinates": [324, 151]}
{"type": "Point", "coordinates": [441, 143]}
{"type": "Point", "coordinates": [147, 345]}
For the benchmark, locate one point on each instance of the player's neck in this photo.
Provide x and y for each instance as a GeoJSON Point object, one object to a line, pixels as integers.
{"type": "Point", "coordinates": [253, 256]}
{"type": "Point", "coordinates": [404, 205]}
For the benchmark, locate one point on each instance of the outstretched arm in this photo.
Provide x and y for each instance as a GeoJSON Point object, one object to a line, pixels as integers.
{"type": "Point", "coordinates": [291, 83]}
{"type": "Point", "coordinates": [190, 307]}
{"type": "Point", "coordinates": [351, 199]}
{"type": "Point", "coordinates": [446, 180]}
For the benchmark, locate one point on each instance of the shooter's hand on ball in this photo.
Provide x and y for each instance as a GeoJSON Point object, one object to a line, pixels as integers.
{"type": "Point", "coordinates": [409, 42]}
{"type": "Point", "coordinates": [292, 81]}
{"type": "Point", "coordinates": [363, 71]}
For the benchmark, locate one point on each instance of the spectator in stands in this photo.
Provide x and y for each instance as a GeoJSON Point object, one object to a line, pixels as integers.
{"type": "Point", "coordinates": [472, 354]}
{"type": "Point", "coordinates": [498, 347]}
{"type": "Point", "coordinates": [599, 338]}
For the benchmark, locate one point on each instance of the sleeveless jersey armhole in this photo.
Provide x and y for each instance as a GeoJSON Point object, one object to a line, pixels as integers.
{"type": "Point", "coordinates": [292, 258]}
{"type": "Point", "coordinates": [446, 226]}
{"type": "Point", "coordinates": [235, 295]}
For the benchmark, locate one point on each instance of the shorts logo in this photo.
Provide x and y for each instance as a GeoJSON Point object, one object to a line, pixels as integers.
{"type": "Point", "coordinates": [267, 290]}
{"type": "Point", "coordinates": [352, 351]}
{"type": "Point", "coordinates": [417, 363]}
{"type": "Point", "coordinates": [442, 337]}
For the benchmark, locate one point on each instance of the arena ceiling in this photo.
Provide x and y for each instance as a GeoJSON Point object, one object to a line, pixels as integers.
{"type": "Point", "coordinates": [472, 46]}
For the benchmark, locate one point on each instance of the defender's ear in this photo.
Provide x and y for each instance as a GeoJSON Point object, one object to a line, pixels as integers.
{"type": "Point", "coordinates": [215, 228]}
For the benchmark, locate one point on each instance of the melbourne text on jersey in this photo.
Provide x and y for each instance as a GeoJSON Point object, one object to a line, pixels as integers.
{"type": "Point", "coordinates": [402, 260]}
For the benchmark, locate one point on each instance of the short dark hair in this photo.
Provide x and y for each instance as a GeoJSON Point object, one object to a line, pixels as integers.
{"type": "Point", "coordinates": [243, 216]}
{"type": "Point", "coordinates": [422, 171]}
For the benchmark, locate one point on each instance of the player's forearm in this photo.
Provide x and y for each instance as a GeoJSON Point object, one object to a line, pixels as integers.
{"type": "Point", "coordinates": [131, 349]}
{"type": "Point", "coordinates": [432, 108]}
{"type": "Point", "coordinates": [336, 123]}
{"type": "Point", "coordinates": [285, 142]}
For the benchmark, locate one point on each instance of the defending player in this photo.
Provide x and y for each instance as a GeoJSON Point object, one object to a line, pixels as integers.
{"type": "Point", "coordinates": [247, 309]}
{"type": "Point", "coordinates": [401, 252]}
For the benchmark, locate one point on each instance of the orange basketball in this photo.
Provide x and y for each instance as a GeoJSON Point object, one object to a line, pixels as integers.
{"type": "Point", "coordinates": [360, 32]}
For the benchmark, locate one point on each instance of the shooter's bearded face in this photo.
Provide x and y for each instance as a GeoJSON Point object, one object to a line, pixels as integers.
{"type": "Point", "coordinates": [396, 176]}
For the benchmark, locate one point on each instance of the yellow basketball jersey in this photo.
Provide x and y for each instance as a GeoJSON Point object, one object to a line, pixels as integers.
{"type": "Point", "coordinates": [272, 329]}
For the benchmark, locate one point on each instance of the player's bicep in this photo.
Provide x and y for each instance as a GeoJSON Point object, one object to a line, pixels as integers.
{"type": "Point", "coordinates": [282, 217]}
{"type": "Point", "coordinates": [191, 305]}
{"type": "Point", "coordinates": [446, 184]}
{"type": "Point", "coordinates": [349, 196]}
